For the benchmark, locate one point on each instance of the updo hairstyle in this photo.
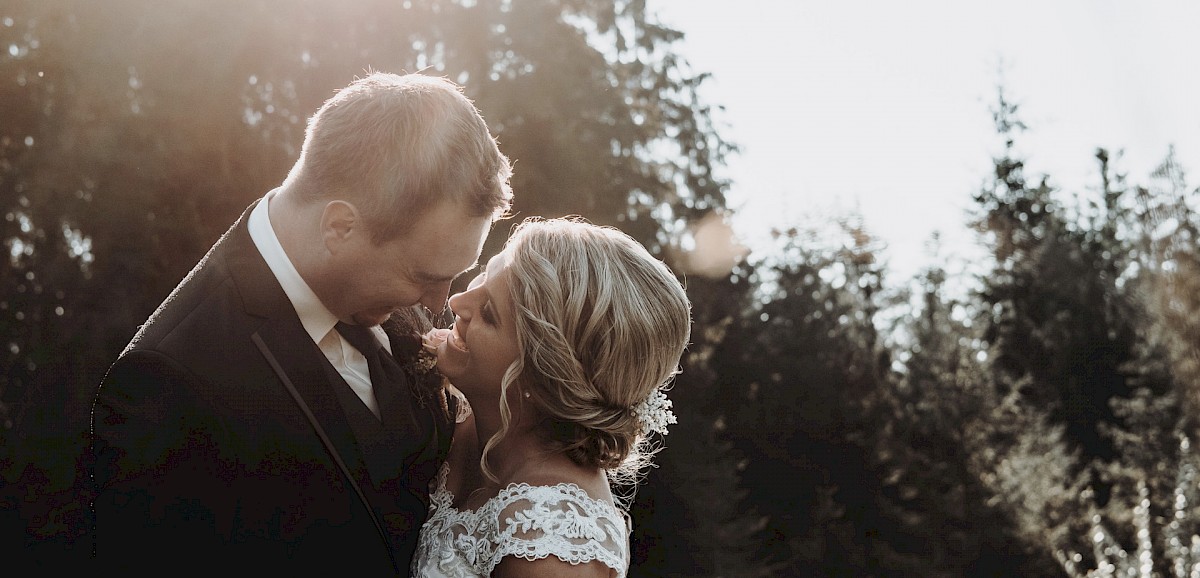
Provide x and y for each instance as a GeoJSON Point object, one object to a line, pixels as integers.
{"type": "Point", "coordinates": [600, 325]}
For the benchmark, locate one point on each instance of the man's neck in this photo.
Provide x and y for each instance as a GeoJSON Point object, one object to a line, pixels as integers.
{"type": "Point", "coordinates": [290, 220]}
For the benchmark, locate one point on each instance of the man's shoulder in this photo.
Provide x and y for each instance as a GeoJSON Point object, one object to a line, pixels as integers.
{"type": "Point", "coordinates": [197, 340]}
{"type": "Point", "coordinates": [199, 302]}
{"type": "Point", "coordinates": [206, 310]}
{"type": "Point", "coordinates": [201, 332]}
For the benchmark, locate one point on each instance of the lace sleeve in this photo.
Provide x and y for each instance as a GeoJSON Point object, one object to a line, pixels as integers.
{"type": "Point", "coordinates": [561, 521]}
{"type": "Point", "coordinates": [464, 408]}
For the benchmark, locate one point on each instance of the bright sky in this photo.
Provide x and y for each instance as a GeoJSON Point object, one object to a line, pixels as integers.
{"type": "Point", "coordinates": [883, 106]}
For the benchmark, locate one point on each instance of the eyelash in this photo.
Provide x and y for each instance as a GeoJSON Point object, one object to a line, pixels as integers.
{"type": "Point", "coordinates": [486, 314]}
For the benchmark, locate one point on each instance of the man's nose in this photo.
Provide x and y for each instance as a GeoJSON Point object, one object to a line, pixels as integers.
{"type": "Point", "coordinates": [434, 305]}
{"type": "Point", "coordinates": [435, 300]}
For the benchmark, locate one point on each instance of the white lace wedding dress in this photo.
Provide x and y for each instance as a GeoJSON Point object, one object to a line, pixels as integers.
{"type": "Point", "coordinates": [530, 522]}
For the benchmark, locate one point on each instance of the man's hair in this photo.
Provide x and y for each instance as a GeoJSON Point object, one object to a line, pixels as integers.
{"type": "Point", "coordinates": [600, 325]}
{"type": "Point", "coordinates": [396, 146]}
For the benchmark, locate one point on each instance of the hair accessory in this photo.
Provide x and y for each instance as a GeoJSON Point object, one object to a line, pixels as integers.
{"type": "Point", "coordinates": [526, 394]}
{"type": "Point", "coordinates": [654, 413]}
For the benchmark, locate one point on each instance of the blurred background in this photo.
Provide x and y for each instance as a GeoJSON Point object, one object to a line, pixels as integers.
{"type": "Point", "coordinates": [961, 345]}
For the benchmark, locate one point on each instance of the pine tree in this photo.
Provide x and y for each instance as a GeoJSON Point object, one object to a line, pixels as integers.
{"type": "Point", "coordinates": [1082, 448]}
{"type": "Point", "coordinates": [798, 369]}
{"type": "Point", "coordinates": [1057, 320]}
{"type": "Point", "coordinates": [937, 424]}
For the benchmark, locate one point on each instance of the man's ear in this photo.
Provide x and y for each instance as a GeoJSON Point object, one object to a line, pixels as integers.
{"type": "Point", "coordinates": [341, 223]}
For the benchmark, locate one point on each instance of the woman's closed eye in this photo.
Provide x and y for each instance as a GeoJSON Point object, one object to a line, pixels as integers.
{"type": "Point", "coordinates": [486, 314]}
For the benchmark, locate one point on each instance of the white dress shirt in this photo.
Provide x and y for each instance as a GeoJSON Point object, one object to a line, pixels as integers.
{"type": "Point", "coordinates": [315, 317]}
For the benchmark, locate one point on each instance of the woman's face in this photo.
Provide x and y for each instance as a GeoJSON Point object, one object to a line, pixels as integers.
{"type": "Point", "coordinates": [483, 343]}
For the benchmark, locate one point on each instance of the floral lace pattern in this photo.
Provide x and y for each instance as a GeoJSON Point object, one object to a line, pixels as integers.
{"type": "Point", "coordinates": [530, 522]}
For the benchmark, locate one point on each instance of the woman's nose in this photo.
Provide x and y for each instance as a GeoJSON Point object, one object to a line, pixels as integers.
{"type": "Point", "coordinates": [457, 304]}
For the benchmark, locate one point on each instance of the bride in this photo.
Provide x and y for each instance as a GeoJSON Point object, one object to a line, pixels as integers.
{"type": "Point", "coordinates": [560, 347]}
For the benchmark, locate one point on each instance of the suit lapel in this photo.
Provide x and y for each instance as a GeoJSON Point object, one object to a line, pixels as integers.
{"type": "Point", "coordinates": [285, 339]}
{"type": "Point", "coordinates": [302, 360]}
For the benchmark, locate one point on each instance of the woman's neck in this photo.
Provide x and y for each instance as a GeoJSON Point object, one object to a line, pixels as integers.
{"type": "Point", "coordinates": [521, 456]}
{"type": "Point", "coordinates": [520, 447]}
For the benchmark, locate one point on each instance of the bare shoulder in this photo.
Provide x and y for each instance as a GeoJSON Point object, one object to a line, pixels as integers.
{"type": "Point", "coordinates": [561, 470]}
{"type": "Point", "coordinates": [551, 567]}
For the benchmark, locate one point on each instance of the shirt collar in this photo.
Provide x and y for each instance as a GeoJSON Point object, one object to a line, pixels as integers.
{"type": "Point", "coordinates": [315, 317]}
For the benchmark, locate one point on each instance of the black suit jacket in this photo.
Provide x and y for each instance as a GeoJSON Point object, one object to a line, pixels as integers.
{"type": "Point", "coordinates": [203, 456]}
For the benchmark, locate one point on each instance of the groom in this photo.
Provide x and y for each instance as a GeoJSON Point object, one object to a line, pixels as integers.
{"type": "Point", "coordinates": [249, 426]}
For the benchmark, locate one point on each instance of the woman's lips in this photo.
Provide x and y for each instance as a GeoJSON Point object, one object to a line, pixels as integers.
{"type": "Point", "coordinates": [455, 340]}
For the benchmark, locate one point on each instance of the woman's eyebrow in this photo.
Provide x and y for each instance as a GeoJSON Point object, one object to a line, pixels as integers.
{"type": "Point", "coordinates": [492, 303]}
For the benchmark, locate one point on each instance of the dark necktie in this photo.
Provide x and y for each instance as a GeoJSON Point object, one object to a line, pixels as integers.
{"type": "Point", "coordinates": [393, 458]}
{"type": "Point", "coordinates": [387, 377]}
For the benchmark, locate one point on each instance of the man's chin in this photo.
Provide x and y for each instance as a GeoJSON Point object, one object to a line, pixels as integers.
{"type": "Point", "coordinates": [371, 318]}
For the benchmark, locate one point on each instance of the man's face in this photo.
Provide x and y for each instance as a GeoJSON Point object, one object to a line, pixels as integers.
{"type": "Point", "coordinates": [416, 267]}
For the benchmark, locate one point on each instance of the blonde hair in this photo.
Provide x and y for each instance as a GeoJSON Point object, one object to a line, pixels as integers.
{"type": "Point", "coordinates": [395, 146]}
{"type": "Point", "coordinates": [600, 325]}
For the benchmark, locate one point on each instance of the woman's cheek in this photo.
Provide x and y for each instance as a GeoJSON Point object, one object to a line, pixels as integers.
{"type": "Point", "coordinates": [450, 360]}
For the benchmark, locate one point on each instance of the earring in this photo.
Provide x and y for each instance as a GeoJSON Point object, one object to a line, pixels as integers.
{"type": "Point", "coordinates": [526, 394]}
